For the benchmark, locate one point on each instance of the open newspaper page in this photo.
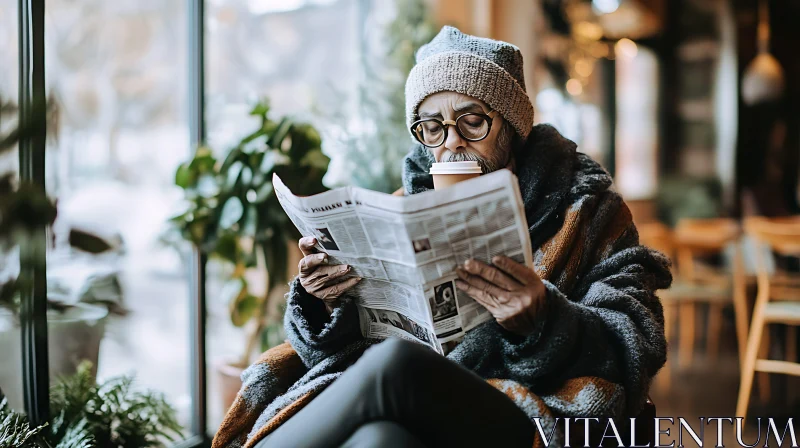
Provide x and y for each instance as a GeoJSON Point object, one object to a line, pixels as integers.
{"type": "Point", "coordinates": [407, 248]}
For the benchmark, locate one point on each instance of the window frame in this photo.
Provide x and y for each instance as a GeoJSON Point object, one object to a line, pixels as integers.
{"type": "Point", "coordinates": [33, 316]}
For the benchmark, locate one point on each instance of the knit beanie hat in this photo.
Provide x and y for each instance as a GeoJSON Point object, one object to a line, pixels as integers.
{"type": "Point", "coordinates": [486, 69]}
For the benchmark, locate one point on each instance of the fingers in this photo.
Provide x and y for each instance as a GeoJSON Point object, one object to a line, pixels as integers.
{"type": "Point", "coordinates": [519, 272]}
{"type": "Point", "coordinates": [335, 291]}
{"type": "Point", "coordinates": [489, 302]}
{"type": "Point", "coordinates": [310, 262]}
{"type": "Point", "coordinates": [322, 277]}
{"type": "Point", "coordinates": [488, 290]}
{"type": "Point", "coordinates": [306, 245]}
{"type": "Point", "coordinates": [329, 272]}
{"type": "Point", "coordinates": [482, 285]}
{"type": "Point", "coordinates": [492, 275]}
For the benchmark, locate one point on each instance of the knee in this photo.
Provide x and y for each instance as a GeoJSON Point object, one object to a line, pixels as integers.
{"type": "Point", "coordinates": [396, 355]}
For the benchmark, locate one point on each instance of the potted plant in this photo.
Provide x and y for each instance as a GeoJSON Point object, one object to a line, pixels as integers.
{"type": "Point", "coordinates": [75, 329]}
{"type": "Point", "coordinates": [87, 414]}
{"type": "Point", "coordinates": [233, 215]}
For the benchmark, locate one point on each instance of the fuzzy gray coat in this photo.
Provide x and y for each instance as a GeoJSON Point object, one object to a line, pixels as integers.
{"type": "Point", "coordinates": [593, 354]}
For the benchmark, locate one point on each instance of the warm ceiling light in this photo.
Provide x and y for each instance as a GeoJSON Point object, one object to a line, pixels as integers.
{"type": "Point", "coordinates": [574, 87]}
{"type": "Point", "coordinates": [763, 78]}
{"type": "Point", "coordinates": [588, 30]}
{"type": "Point", "coordinates": [605, 6]}
{"type": "Point", "coordinates": [584, 67]}
{"type": "Point", "coordinates": [626, 48]}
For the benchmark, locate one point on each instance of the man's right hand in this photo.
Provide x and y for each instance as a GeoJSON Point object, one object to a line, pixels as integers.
{"type": "Point", "coordinates": [322, 280]}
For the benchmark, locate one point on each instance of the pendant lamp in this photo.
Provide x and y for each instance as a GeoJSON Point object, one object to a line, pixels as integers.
{"type": "Point", "coordinates": [763, 79]}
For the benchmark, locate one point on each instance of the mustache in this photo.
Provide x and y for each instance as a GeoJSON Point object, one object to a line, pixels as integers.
{"type": "Point", "coordinates": [487, 166]}
{"type": "Point", "coordinates": [463, 156]}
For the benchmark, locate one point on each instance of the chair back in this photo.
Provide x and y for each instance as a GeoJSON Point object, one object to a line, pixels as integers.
{"type": "Point", "coordinates": [775, 236]}
{"type": "Point", "coordinates": [657, 236]}
{"type": "Point", "coordinates": [701, 237]}
{"type": "Point", "coordinates": [781, 235]}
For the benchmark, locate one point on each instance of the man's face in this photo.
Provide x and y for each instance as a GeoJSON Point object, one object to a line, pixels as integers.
{"type": "Point", "coordinates": [492, 153]}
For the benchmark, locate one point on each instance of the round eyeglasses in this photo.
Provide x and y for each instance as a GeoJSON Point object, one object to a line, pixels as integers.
{"type": "Point", "coordinates": [473, 127]}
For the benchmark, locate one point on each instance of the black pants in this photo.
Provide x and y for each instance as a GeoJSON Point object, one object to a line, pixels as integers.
{"type": "Point", "coordinates": [403, 394]}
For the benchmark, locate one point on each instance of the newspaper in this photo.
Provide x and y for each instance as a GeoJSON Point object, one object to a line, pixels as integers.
{"type": "Point", "coordinates": [406, 249]}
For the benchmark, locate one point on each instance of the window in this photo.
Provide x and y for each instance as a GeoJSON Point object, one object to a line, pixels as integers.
{"type": "Point", "coordinates": [122, 80]}
{"type": "Point", "coordinates": [116, 71]}
{"type": "Point", "coordinates": [10, 344]}
{"type": "Point", "coordinates": [299, 55]}
{"type": "Point", "coordinates": [637, 124]}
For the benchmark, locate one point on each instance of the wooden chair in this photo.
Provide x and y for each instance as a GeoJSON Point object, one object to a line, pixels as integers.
{"type": "Point", "coordinates": [695, 283]}
{"type": "Point", "coordinates": [658, 236]}
{"type": "Point", "coordinates": [777, 302]}
{"type": "Point", "coordinates": [699, 283]}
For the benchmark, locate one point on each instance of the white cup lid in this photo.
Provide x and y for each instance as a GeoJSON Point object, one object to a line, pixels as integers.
{"type": "Point", "coordinates": [469, 167]}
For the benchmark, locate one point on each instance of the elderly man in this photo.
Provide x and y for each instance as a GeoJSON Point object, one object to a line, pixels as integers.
{"type": "Point", "coordinates": [580, 335]}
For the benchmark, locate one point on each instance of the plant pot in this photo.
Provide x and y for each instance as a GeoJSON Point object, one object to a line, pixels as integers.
{"type": "Point", "coordinates": [73, 336]}
{"type": "Point", "coordinates": [228, 375]}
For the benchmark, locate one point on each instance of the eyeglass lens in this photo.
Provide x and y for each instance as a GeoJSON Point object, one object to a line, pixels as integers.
{"type": "Point", "coordinates": [470, 126]}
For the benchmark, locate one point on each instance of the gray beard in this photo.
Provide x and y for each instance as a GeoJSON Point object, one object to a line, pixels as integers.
{"type": "Point", "coordinates": [497, 160]}
{"type": "Point", "coordinates": [487, 165]}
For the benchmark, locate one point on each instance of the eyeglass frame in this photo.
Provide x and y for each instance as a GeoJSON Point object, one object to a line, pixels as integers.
{"type": "Point", "coordinates": [489, 117]}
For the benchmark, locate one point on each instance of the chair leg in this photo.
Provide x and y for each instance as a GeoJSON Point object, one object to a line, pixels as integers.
{"type": "Point", "coordinates": [748, 366]}
{"type": "Point", "coordinates": [763, 377]}
{"type": "Point", "coordinates": [665, 376]}
{"type": "Point", "coordinates": [791, 343]}
{"type": "Point", "coordinates": [791, 356]}
{"type": "Point", "coordinates": [687, 335]}
{"type": "Point", "coordinates": [714, 330]}
{"type": "Point", "coordinates": [741, 315]}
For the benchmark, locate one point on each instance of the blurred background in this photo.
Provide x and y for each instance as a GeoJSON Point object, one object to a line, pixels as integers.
{"type": "Point", "coordinates": [689, 104]}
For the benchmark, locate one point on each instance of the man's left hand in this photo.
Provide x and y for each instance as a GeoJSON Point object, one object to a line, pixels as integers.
{"type": "Point", "coordinates": [512, 292]}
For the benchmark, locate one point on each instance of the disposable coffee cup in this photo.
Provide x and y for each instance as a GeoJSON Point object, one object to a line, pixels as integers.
{"type": "Point", "coordinates": [450, 173]}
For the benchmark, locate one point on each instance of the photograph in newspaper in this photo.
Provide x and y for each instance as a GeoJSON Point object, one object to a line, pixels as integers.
{"type": "Point", "coordinates": [443, 302]}
{"type": "Point", "coordinates": [453, 311]}
{"type": "Point", "coordinates": [325, 239]}
{"type": "Point", "coordinates": [421, 245]}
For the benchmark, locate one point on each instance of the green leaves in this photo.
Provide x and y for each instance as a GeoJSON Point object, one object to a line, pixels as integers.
{"type": "Point", "coordinates": [234, 201]}
{"type": "Point", "coordinates": [113, 413]}
{"type": "Point", "coordinates": [78, 436]}
{"type": "Point", "coordinates": [240, 304]}
{"type": "Point", "coordinates": [232, 176]}
{"type": "Point", "coordinates": [183, 176]}
{"type": "Point", "coordinates": [110, 414]}
{"type": "Point", "coordinates": [244, 309]}
{"type": "Point", "coordinates": [231, 213]}
{"type": "Point", "coordinates": [264, 192]}
{"type": "Point", "coordinates": [275, 256]}
{"type": "Point", "coordinates": [16, 432]}
{"type": "Point", "coordinates": [316, 159]}
{"type": "Point", "coordinates": [261, 108]}
{"type": "Point", "coordinates": [276, 139]}
{"type": "Point", "coordinates": [24, 211]}
{"type": "Point", "coordinates": [87, 242]}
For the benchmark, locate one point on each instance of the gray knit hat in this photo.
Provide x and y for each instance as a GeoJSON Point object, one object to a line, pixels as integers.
{"type": "Point", "coordinates": [486, 69]}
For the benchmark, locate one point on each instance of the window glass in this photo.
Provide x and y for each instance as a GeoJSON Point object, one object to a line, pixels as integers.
{"type": "Point", "coordinates": [10, 345]}
{"type": "Point", "coordinates": [116, 74]}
